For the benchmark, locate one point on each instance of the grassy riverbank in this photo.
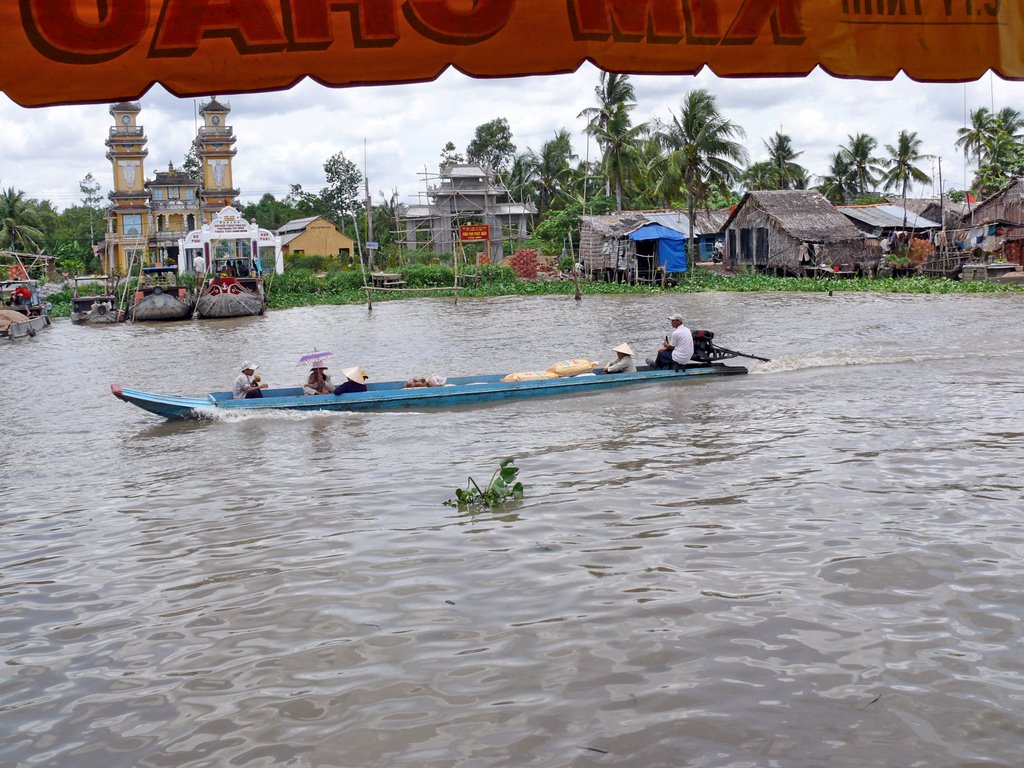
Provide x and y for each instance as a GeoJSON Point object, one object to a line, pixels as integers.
{"type": "Point", "coordinates": [303, 287]}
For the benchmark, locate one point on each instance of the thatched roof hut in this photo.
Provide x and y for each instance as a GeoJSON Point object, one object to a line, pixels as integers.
{"type": "Point", "coordinates": [777, 229]}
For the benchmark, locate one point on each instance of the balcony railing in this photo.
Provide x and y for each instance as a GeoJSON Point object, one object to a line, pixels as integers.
{"type": "Point", "coordinates": [219, 133]}
{"type": "Point", "coordinates": [121, 131]}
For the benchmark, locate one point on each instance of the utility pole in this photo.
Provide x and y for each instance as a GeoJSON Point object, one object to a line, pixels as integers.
{"type": "Point", "coordinates": [369, 204]}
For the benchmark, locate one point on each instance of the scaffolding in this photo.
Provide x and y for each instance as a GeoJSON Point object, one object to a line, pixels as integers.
{"type": "Point", "coordinates": [433, 222]}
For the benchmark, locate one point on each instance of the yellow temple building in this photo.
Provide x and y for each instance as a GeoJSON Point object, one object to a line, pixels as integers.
{"type": "Point", "coordinates": [147, 218]}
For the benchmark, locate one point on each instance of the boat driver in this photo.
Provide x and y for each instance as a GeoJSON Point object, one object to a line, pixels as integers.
{"type": "Point", "coordinates": [678, 346]}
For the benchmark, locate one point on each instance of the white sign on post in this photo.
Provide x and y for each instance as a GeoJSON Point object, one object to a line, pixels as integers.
{"type": "Point", "coordinates": [372, 245]}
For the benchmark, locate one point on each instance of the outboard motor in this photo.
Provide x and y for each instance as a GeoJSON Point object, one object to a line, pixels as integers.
{"type": "Point", "coordinates": [703, 348]}
{"type": "Point", "coordinates": [706, 351]}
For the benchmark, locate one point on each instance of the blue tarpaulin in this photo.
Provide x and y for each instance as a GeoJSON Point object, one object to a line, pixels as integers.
{"type": "Point", "coordinates": [671, 246]}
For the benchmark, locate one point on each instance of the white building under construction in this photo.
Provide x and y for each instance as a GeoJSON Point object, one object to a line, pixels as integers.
{"type": "Point", "coordinates": [463, 195]}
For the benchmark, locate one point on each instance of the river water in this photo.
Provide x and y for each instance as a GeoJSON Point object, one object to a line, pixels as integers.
{"type": "Point", "coordinates": [819, 564]}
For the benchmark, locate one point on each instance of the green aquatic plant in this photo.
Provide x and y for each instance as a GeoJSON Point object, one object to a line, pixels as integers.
{"type": "Point", "coordinates": [502, 487]}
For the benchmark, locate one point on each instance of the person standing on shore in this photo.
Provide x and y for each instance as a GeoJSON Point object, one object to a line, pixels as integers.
{"type": "Point", "coordinates": [678, 346]}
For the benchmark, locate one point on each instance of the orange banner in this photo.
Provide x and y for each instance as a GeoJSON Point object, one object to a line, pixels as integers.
{"type": "Point", "coordinates": [471, 232]}
{"type": "Point", "coordinates": [76, 51]}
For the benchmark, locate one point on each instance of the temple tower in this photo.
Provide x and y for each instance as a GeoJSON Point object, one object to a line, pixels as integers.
{"type": "Point", "coordinates": [216, 147]}
{"type": "Point", "coordinates": [128, 214]}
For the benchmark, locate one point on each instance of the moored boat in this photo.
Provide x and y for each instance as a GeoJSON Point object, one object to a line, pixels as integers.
{"type": "Point", "coordinates": [159, 296]}
{"type": "Point", "coordinates": [15, 325]}
{"type": "Point", "coordinates": [24, 310]}
{"type": "Point", "coordinates": [465, 390]}
{"type": "Point", "coordinates": [97, 308]}
{"type": "Point", "coordinates": [228, 296]}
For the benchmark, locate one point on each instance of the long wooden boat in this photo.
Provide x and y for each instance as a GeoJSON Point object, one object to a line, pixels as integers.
{"type": "Point", "coordinates": [226, 296]}
{"type": "Point", "coordinates": [465, 390]}
{"type": "Point", "coordinates": [159, 296]}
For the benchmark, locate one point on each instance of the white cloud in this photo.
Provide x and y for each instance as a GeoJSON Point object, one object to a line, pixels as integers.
{"type": "Point", "coordinates": [284, 137]}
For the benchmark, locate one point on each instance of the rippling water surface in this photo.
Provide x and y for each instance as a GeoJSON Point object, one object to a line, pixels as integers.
{"type": "Point", "coordinates": [819, 564]}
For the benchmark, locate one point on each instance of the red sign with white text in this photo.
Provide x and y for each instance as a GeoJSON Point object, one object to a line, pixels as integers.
{"type": "Point", "coordinates": [472, 232]}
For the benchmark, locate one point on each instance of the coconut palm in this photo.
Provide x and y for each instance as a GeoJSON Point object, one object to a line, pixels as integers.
{"type": "Point", "coordinates": [839, 186]}
{"type": "Point", "coordinates": [972, 140]}
{"type": "Point", "coordinates": [703, 151]}
{"type": "Point", "coordinates": [19, 223]}
{"type": "Point", "coordinates": [901, 166]}
{"type": "Point", "coordinates": [552, 167]}
{"type": "Point", "coordinates": [860, 154]}
{"type": "Point", "coordinates": [759, 175]}
{"type": "Point", "coordinates": [782, 158]}
{"type": "Point", "coordinates": [610, 124]}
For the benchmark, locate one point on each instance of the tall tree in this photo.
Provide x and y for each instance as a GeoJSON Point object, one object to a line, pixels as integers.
{"type": "Point", "coordinates": [610, 124]}
{"type": "Point", "coordinates": [492, 146]}
{"type": "Point", "coordinates": [901, 166]}
{"type": "Point", "coordinates": [343, 191]}
{"type": "Point", "coordinates": [552, 164]}
{"type": "Point", "coordinates": [19, 222]}
{"type": "Point", "coordinates": [705, 150]}
{"type": "Point", "coordinates": [191, 164]}
{"type": "Point", "coordinates": [839, 186]}
{"type": "Point", "coordinates": [760, 175]}
{"type": "Point", "coordinates": [782, 158]}
{"type": "Point", "coordinates": [91, 199]}
{"type": "Point", "coordinates": [860, 155]}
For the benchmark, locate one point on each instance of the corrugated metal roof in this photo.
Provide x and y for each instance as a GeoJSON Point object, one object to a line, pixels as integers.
{"type": "Point", "coordinates": [887, 216]}
{"type": "Point", "coordinates": [706, 222]}
{"type": "Point", "coordinates": [296, 225]}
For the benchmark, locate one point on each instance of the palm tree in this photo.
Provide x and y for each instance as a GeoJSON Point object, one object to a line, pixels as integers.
{"type": "Point", "coordinates": [972, 140]}
{"type": "Point", "coordinates": [758, 176]}
{"type": "Point", "coordinates": [840, 185]}
{"type": "Point", "coordinates": [901, 166]}
{"type": "Point", "coordinates": [610, 124]}
{"type": "Point", "coordinates": [860, 154]}
{"type": "Point", "coordinates": [19, 229]}
{"type": "Point", "coordinates": [782, 158]}
{"type": "Point", "coordinates": [552, 165]}
{"type": "Point", "coordinates": [704, 151]}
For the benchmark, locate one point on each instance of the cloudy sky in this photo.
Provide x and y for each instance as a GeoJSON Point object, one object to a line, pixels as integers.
{"type": "Point", "coordinates": [284, 138]}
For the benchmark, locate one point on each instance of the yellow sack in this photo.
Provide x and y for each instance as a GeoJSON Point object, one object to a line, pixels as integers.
{"type": "Point", "coordinates": [572, 367]}
{"type": "Point", "coordinates": [530, 376]}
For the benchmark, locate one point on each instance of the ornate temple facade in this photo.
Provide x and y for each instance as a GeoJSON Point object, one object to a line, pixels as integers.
{"type": "Point", "coordinates": [147, 218]}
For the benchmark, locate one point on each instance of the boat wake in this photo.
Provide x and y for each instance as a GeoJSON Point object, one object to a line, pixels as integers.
{"type": "Point", "coordinates": [807, 362]}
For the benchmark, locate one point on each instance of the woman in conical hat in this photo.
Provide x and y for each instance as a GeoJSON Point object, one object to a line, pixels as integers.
{"type": "Point", "coordinates": [624, 362]}
{"type": "Point", "coordinates": [355, 381]}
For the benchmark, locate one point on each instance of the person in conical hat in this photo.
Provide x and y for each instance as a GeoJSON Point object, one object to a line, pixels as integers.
{"type": "Point", "coordinates": [624, 362]}
{"type": "Point", "coordinates": [319, 381]}
{"type": "Point", "coordinates": [355, 381]}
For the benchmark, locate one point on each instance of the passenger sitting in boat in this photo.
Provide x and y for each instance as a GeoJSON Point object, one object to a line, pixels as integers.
{"type": "Point", "coordinates": [678, 346]}
{"type": "Point", "coordinates": [248, 385]}
{"type": "Point", "coordinates": [355, 381]}
{"type": "Point", "coordinates": [319, 381]}
{"type": "Point", "coordinates": [624, 363]}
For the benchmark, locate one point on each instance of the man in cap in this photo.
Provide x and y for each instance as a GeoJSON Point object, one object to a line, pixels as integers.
{"type": "Point", "coordinates": [678, 346]}
{"type": "Point", "coordinates": [248, 384]}
{"type": "Point", "coordinates": [624, 362]}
